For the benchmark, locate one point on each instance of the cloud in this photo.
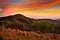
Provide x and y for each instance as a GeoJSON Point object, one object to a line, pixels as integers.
{"type": "Point", "coordinates": [27, 3]}
{"type": "Point", "coordinates": [10, 6]}
{"type": "Point", "coordinates": [1, 10]}
{"type": "Point", "coordinates": [16, 2]}
{"type": "Point", "coordinates": [41, 1]}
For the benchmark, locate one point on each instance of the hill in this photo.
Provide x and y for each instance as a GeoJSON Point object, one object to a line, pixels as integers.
{"type": "Point", "coordinates": [18, 27]}
{"type": "Point", "coordinates": [20, 19]}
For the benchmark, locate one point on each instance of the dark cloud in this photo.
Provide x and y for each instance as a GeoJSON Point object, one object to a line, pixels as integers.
{"type": "Point", "coordinates": [42, 1]}
{"type": "Point", "coordinates": [16, 2]}
{"type": "Point", "coordinates": [4, 2]}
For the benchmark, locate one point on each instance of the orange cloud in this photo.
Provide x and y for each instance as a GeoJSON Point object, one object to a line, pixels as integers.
{"type": "Point", "coordinates": [8, 9]}
{"type": "Point", "coordinates": [35, 4]}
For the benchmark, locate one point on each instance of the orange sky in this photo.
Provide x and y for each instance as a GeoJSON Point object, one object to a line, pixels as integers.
{"type": "Point", "coordinates": [34, 9]}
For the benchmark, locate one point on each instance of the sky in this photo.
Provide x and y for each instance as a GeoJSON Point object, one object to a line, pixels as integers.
{"type": "Point", "coordinates": [31, 8]}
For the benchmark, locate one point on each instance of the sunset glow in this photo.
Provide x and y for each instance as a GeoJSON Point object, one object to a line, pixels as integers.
{"type": "Point", "coordinates": [33, 9]}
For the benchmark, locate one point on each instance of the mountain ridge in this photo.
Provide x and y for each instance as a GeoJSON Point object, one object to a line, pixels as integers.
{"type": "Point", "coordinates": [20, 19]}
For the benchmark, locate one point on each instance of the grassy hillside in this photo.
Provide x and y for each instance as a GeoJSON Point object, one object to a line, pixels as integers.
{"type": "Point", "coordinates": [19, 27]}
{"type": "Point", "coordinates": [16, 34]}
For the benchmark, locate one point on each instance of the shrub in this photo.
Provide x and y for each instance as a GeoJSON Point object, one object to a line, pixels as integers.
{"type": "Point", "coordinates": [43, 26]}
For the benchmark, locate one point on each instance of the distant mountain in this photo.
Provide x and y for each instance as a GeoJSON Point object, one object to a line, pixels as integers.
{"type": "Point", "coordinates": [18, 27]}
{"type": "Point", "coordinates": [16, 21]}
{"type": "Point", "coordinates": [19, 20]}
{"type": "Point", "coordinates": [17, 17]}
